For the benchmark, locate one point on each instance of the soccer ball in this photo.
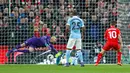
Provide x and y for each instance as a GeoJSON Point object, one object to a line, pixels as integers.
{"type": "Point", "coordinates": [50, 57]}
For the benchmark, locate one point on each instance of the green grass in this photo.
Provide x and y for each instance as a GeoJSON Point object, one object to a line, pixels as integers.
{"type": "Point", "coordinates": [62, 69]}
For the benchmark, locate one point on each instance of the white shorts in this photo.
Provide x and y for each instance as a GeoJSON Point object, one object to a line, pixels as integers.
{"type": "Point", "coordinates": [74, 42]}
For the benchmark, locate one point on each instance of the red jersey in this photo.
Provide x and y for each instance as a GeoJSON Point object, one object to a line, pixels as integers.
{"type": "Point", "coordinates": [37, 20]}
{"type": "Point", "coordinates": [45, 31]}
{"type": "Point", "coordinates": [111, 34]}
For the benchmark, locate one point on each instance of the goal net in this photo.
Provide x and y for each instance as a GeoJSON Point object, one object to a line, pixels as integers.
{"type": "Point", "coordinates": [23, 19]}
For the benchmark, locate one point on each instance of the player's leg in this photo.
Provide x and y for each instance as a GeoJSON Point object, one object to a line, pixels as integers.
{"type": "Point", "coordinates": [30, 49]}
{"type": "Point", "coordinates": [104, 49]}
{"type": "Point", "coordinates": [15, 49]}
{"type": "Point", "coordinates": [70, 45]}
{"type": "Point", "coordinates": [79, 53]}
{"type": "Point", "coordinates": [99, 57]}
{"type": "Point", "coordinates": [118, 49]}
{"type": "Point", "coordinates": [119, 57]}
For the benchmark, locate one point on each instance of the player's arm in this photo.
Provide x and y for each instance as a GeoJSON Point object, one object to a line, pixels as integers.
{"type": "Point", "coordinates": [120, 39]}
{"type": "Point", "coordinates": [57, 54]}
{"type": "Point", "coordinates": [67, 27]}
{"type": "Point", "coordinates": [46, 42]}
{"type": "Point", "coordinates": [66, 31]}
{"type": "Point", "coordinates": [83, 32]}
{"type": "Point", "coordinates": [83, 29]}
{"type": "Point", "coordinates": [53, 49]}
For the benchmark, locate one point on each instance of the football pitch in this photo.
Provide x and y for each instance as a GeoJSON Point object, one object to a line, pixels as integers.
{"type": "Point", "coordinates": [62, 69]}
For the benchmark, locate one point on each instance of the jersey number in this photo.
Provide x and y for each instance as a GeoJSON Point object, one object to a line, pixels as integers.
{"type": "Point", "coordinates": [75, 25]}
{"type": "Point", "coordinates": [112, 34]}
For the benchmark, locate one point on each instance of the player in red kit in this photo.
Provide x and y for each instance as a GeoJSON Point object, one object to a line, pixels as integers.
{"type": "Point", "coordinates": [36, 27]}
{"type": "Point", "coordinates": [112, 36]}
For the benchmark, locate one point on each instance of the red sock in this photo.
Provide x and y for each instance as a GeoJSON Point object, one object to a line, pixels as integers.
{"type": "Point", "coordinates": [36, 34]}
{"type": "Point", "coordinates": [99, 57]}
{"type": "Point", "coordinates": [119, 57]}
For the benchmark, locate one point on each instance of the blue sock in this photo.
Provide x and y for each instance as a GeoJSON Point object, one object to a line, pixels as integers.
{"type": "Point", "coordinates": [73, 61]}
{"type": "Point", "coordinates": [68, 55]}
{"type": "Point", "coordinates": [80, 56]}
{"type": "Point", "coordinates": [24, 51]}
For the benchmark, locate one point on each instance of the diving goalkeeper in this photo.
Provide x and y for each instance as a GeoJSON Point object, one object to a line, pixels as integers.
{"type": "Point", "coordinates": [36, 42]}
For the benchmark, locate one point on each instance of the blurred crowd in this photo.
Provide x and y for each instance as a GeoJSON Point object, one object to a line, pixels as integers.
{"type": "Point", "coordinates": [17, 18]}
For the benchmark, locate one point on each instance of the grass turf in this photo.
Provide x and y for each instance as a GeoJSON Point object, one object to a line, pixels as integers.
{"type": "Point", "coordinates": [62, 69]}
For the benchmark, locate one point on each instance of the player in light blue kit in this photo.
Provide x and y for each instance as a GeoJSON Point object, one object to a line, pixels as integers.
{"type": "Point", "coordinates": [74, 24]}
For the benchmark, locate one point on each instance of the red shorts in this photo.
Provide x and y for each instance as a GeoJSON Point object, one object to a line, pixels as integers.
{"type": "Point", "coordinates": [111, 45]}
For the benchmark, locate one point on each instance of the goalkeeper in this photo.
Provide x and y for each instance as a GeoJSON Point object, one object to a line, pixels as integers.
{"type": "Point", "coordinates": [35, 42]}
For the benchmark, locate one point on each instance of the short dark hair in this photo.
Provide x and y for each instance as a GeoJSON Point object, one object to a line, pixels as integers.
{"type": "Point", "coordinates": [114, 23]}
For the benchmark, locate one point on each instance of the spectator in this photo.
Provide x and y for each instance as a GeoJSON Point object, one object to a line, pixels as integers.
{"type": "Point", "coordinates": [16, 14]}
{"type": "Point", "coordinates": [22, 20]}
{"type": "Point", "coordinates": [59, 34]}
{"type": "Point", "coordinates": [119, 25]}
{"type": "Point", "coordinates": [94, 28]}
{"type": "Point", "coordinates": [5, 12]}
{"type": "Point", "coordinates": [51, 7]}
{"type": "Point", "coordinates": [31, 16]}
{"type": "Point", "coordinates": [61, 25]}
{"type": "Point", "coordinates": [22, 13]}
{"type": "Point", "coordinates": [62, 11]}
{"type": "Point", "coordinates": [1, 23]}
{"type": "Point", "coordinates": [26, 11]}
{"type": "Point", "coordinates": [45, 30]}
{"type": "Point", "coordinates": [12, 14]}
{"type": "Point", "coordinates": [5, 22]}
{"type": "Point", "coordinates": [2, 6]}
{"type": "Point", "coordinates": [48, 13]}
{"type": "Point", "coordinates": [1, 15]}
{"type": "Point", "coordinates": [41, 9]}
{"type": "Point", "coordinates": [16, 9]}
{"type": "Point", "coordinates": [32, 8]}
{"type": "Point", "coordinates": [37, 12]}
{"type": "Point", "coordinates": [62, 2]}
{"type": "Point", "coordinates": [26, 8]}
{"type": "Point", "coordinates": [101, 4]}
{"type": "Point", "coordinates": [26, 20]}
{"type": "Point", "coordinates": [23, 29]}
{"type": "Point", "coordinates": [50, 1]}
{"type": "Point", "coordinates": [54, 24]}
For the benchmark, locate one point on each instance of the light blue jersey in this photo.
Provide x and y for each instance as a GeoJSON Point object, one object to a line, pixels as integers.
{"type": "Point", "coordinates": [75, 24]}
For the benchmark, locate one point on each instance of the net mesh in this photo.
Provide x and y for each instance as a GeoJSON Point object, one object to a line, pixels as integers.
{"type": "Point", "coordinates": [22, 19]}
